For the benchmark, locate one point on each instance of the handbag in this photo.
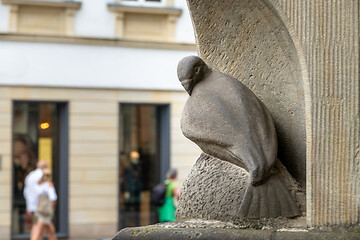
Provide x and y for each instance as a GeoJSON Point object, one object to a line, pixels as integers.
{"type": "Point", "coordinates": [44, 207]}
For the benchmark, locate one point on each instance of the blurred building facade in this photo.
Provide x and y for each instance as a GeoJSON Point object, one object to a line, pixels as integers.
{"type": "Point", "coordinates": [90, 86]}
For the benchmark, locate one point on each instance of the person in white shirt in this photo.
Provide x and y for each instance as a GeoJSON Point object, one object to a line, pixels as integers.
{"type": "Point", "coordinates": [46, 187]}
{"type": "Point", "coordinates": [31, 190]}
{"type": "Point", "coordinates": [31, 185]}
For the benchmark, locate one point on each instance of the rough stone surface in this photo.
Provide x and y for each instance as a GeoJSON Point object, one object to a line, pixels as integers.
{"type": "Point", "coordinates": [215, 190]}
{"type": "Point", "coordinates": [215, 230]}
{"type": "Point", "coordinates": [182, 233]}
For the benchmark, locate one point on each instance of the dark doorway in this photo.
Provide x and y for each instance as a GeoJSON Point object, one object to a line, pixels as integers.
{"type": "Point", "coordinates": [40, 132]}
{"type": "Point", "coordinates": [144, 159]}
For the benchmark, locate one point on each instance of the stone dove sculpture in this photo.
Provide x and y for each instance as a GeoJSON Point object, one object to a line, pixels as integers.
{"type": "Point", "coordinates": [227, 121]}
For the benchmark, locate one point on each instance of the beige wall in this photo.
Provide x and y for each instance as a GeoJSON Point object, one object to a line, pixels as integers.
{"type": "Point", "coordinates": [93, 158]}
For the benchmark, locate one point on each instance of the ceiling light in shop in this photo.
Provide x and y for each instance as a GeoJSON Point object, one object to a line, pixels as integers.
{"type": "Point", "coordinates": [44, 125]}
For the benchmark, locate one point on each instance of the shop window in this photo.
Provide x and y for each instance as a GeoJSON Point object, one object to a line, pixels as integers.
{"type": "Point", "coordinates": [42, 17]}
{"type": "Point", "coordinates": [145, 20]}
{"type": "Point", "coordinates": [144, 159]}
{"type": "Point", "coordinates": [39, 133]}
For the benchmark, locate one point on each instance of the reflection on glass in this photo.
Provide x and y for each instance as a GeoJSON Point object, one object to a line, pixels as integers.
{"type": "Point", "coordinates": [31, 142]}
{"type": "Point", "coordinates": [139, 163]}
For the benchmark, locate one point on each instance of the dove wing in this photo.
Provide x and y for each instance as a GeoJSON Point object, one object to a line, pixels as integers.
{"type": "Point", "coordinates": [235, 126]}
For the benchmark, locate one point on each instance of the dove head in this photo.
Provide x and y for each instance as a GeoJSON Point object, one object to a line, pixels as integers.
{"type": "Point", "coordinates": [190, 72]}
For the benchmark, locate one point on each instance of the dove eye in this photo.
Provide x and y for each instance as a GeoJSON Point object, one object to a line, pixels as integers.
{"type": "Point", "coordinates": [197, 69]}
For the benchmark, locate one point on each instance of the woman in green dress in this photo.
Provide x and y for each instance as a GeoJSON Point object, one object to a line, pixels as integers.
{"type": "Point", "coordinates": [167, 211]}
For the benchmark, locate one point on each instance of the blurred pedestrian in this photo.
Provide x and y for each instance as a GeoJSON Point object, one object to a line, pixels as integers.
{"type": "Point", "coordinates": [167, 211]}
{"type": "Point", "coordinates": [45, 207]}
{"type": "Point", "coordinates": [31, 191]}
{"type": "Point", "coordinates": [133, 188]}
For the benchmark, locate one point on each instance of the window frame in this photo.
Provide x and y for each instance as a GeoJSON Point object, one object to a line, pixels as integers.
{"type": "Point", "coordinates": [144, 3]}
{"type": "Point", "coordinates": [69, 9]}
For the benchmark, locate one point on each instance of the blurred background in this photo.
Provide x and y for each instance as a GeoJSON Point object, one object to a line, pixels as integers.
{"type": "Point", "coordinates": [82, 84]}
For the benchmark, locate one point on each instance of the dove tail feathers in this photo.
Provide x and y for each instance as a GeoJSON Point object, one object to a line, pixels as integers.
{"type": "Point", "coordinates": [268, 200]}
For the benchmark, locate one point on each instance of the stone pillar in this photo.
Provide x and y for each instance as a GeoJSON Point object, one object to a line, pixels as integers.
{"type": "Point", "coordinates": [70, 21]}
{"type": "Point", "coordinates": [301, 58]}
{"type": "Point", "coordinates": [13, 18]}
{"type": "Point", "coordinates": [171, 27]}
{"type": "Point", "coordinates": [328, 32]}
{"type": "Point", "coordinates": [120, 22]}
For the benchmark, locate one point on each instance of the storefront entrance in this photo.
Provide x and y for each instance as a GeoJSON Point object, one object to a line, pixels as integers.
{"type": "Point", "coordinates": [40, 132]}
{"type": "Point", "coordinates": [144, 159]}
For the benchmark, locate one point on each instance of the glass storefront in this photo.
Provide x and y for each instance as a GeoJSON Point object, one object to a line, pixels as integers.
{"type": "Point", "coordinates": [143, 158]}
{"type": "Point", "coordinates": [36, 136]}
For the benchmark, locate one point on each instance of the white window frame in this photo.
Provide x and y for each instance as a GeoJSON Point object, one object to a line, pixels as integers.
{"type": "Point", "coordinates": [145, 3]}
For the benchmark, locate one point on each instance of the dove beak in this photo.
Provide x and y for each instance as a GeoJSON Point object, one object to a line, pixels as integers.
{"type": "Point", "coordinates": [187, 84]}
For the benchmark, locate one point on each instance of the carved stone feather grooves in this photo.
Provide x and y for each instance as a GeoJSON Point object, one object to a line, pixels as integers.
{"type": "Point", "coordinates": [269, 200]}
